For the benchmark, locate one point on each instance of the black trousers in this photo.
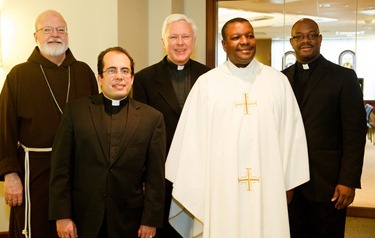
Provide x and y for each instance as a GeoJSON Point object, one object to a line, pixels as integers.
{"type": "Point", "coordinates": [315, 219]}
{"type": "Point", "coordinates": [103, 232]}
{"type": "Point", "coordinates": [167, 231]}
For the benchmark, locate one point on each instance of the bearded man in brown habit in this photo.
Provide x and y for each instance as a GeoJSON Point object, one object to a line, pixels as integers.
{"type": "Point", "coordinates": [31, 105]}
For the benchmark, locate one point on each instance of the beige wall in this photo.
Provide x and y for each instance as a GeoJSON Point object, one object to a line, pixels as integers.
{"type": "Point", "coordinates": [4, 210]}
{"type": "Point", "coordinates": [93, 26]}
{"type": "Point", "coordinates": [139, 29]}
{"type": "Point", "coordinates": [133, 30]}
{"type": "Point", "coordinates": [264, 51]}
{"type": "Point", "coordinates": [196, 9]}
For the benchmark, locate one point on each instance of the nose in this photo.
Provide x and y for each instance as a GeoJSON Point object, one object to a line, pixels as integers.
{"type": "Point", "coordinates": [180, 40]}
{"type": "Point", "coordinates": [243, 40]}
{"type": "Point", "coordinates": [119, 75]}
{"type": "Point", "coordinates": [55, 33]}
{"type": "Point", "coordinates": [305, 38]}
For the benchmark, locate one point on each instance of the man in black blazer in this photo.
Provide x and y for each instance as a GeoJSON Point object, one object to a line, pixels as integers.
{"type": "Point", "coordinates": [165, 85]}
{"type": "Point", "coordinates": [107, 175]}
{"type": "Point", "coordinates": [331, 104]}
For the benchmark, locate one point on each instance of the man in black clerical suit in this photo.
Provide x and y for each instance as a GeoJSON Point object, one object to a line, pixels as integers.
{"type": "Point", "coordinates": [165, 85]}
{"type": "Point", "coordinates": [331, 104]}
{"type": "Point", "coordinates": [107, 175]}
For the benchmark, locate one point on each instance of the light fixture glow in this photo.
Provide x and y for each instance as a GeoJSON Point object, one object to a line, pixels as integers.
{"type": "Point", "coordinates": [370, 11]}
{"type": "Point", "coordinates": [324, 5]}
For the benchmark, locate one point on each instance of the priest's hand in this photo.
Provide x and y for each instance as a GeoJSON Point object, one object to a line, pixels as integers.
{"type": "Point", "coordinates": [343, 196]}
{"type": "Point", "coordinates": [13, 189]}
{"type": "Point", "coordinates": [66, 228]}
{"type": "Point", "coordinates": [289, 195]}
{"type": "Point", "coordinates": [146, 231]}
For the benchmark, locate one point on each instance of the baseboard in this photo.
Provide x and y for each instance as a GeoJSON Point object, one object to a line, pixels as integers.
{"type": "Point", "coordinates": [3, 234]}
{"type": "Point", "coordinates": [367, 212]}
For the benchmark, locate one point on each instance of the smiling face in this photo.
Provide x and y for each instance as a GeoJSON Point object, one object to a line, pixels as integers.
{"type": "Point", "coordinates": [306, 49]}
{"type": "Point", "coordinates": [117, 79]}
{"type": "Point", "coordinates": [54, 43]}
{"type": "Point", "coordinates": [178, 42]}
{"type": "Point", "coordinates": [239, 43]}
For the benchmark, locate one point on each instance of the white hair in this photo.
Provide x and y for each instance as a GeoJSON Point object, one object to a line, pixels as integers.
{"type": "Point", "coordinates": [177, 17]}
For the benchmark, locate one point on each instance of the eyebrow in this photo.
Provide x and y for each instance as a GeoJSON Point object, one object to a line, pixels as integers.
{"type": "Point", "coordinates": [114, 67]}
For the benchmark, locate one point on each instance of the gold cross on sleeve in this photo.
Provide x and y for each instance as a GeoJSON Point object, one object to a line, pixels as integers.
{"type": "Point", "coordinates": [246, 103]}
{"type": "Point", "coordinates": [248, 179]}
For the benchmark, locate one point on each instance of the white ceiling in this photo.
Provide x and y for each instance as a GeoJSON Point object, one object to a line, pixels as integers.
{"type": "Point", "coordinates": [274, 18]}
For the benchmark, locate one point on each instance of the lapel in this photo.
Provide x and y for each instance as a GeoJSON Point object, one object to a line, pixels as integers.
{"type": "Point", "coordinates": [289, 73]}
{"type": "Point", "coordinates": [194, 73]}
{"type": "Point", "coordinates": [316, 77]}
{"type": "Point", "coordinates": [132, 122]}
{"type": "Point", "coordinates": [165, 87]}
{"type": "Point", "coordinates": [97, 113]}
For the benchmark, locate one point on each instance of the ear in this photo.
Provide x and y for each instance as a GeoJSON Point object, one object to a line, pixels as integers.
{"type": "Point", "coordinates": [162, 42]}
{"type": "Point", "coordinates": [100, 80]}
{"type": "Point", "coordinates": [224, 45]}
{"type": "Point", "coordinates": [35, 37]}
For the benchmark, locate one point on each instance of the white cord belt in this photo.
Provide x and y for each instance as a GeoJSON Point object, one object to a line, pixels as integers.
{"type": "Point", "coordinates": [27, 230]}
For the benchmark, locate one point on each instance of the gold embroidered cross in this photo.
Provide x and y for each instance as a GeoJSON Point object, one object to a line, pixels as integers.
{"type": "Point", "coordinates": [246, 103]}
{"type": "Point", "coordinates": [248, 179]}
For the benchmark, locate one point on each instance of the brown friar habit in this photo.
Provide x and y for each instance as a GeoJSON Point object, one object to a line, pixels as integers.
{"type": "Point", "coordinates": [29, 115]}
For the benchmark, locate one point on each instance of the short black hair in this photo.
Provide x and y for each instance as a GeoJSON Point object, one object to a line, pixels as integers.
{"type": "Point", "coordinates": [237, 19]}
{"type": "Point", "coordinates": [118, 49]}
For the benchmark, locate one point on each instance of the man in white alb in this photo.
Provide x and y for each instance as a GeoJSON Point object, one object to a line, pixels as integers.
{"type": "Point", "coordinates": [239, 147]}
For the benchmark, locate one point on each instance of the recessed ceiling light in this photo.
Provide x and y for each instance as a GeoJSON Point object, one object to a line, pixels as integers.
{"type": "Point", "coordinates": [260, 18]}
{"type": "Point", "coordinates": [370, 11]}
{"type": "Point", "coordinates": [349, 33]}
{"type": "Point", "coordinates": [324, 5]}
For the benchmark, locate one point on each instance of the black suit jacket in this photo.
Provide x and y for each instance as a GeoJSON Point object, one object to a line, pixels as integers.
{"type": "Point", "coordinates": [335, 124]}
{"type": "Point", "coordinates": [153, 86]}
{"type": "Point", "coordinates": [86, 185]}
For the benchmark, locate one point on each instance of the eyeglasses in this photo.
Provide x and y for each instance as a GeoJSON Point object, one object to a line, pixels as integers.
{"type": "Point", "coordinates": [113, 71]}
{"type": "Point", "coordinates": [310, 36]}
{"type": "Point", "coordinates": [49, 29]}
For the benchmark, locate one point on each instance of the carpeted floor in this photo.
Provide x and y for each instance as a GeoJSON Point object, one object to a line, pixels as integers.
{"type": "Point", "coordinates": [365, 197]}
{"type": "Point", "coordinates": [357, 227]}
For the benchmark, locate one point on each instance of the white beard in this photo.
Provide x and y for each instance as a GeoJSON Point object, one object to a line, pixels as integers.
{"type": "Point", "coordinates": [54, 49]}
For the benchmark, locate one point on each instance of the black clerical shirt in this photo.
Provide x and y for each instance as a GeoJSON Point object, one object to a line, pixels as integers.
{"type": "Point", "coordinates": [302, 77]}
{"type": "Point", "coordinates": [115, 120]}
{"type": "Point", "coordinates": [180, 77]}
